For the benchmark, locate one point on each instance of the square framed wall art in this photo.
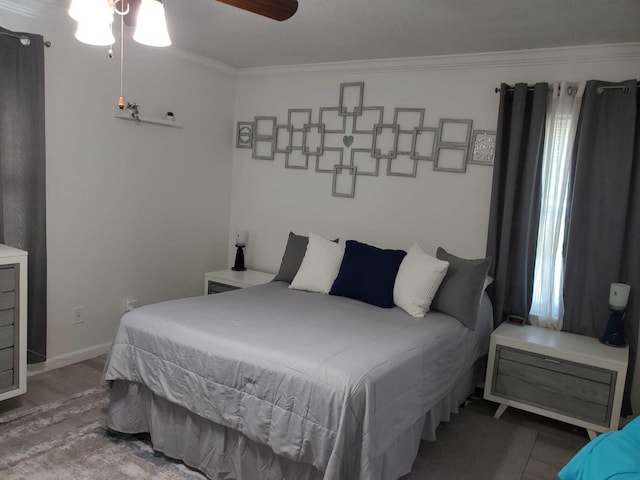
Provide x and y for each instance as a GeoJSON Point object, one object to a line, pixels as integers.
{"type": "Point", "coordinates": [244, 134]}
{"type": "Point", "coordinates": [483, 147]}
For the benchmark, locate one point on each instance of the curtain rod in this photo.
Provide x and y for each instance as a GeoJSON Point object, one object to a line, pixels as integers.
{"type": "Point", "coordinates": [24, 40]}
{"type": "Point", "coordinates": [599, 89]}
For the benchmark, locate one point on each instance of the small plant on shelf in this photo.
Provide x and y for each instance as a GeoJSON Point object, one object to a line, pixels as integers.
{"type": "Point", "coordinates": [134, 108]}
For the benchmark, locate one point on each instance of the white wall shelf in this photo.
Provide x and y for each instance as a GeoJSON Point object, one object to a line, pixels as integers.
{"type": "Point", "coordinates": [126, 115]}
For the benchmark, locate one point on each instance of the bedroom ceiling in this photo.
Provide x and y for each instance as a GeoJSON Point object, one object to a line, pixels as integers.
{"type": "Point", "coordinates": [341, 30]}
{"type": "Point", "coordinates": [346, 30]}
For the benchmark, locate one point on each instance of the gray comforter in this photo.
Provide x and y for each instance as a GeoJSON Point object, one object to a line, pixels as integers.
{"type": "Point", "coordinates": [320, 379]}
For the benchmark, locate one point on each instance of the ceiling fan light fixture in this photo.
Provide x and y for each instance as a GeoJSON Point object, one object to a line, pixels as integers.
{"type": "Point", "coordinates": [91, 11]}
{"type": "Point", "coordinates": [151, 26]}
{"type": "Point", "coordinates": [76, 8]}
{"type": "Point", "coordinates": [96, 33]}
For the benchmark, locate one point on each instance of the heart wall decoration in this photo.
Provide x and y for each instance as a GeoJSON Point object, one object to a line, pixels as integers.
{"type": "Point", "coordinates": [347, 140]}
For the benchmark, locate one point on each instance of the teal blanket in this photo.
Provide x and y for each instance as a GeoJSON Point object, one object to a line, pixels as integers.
{"type": "Point", "coordinates": [612, 455]}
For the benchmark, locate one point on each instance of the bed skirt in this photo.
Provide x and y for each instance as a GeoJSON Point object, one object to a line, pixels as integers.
{"type": "Point", "coordinates": [224, 453]}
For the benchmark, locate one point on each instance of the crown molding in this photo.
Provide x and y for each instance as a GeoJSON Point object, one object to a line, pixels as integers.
{"type": "Point", "coordinates": [222, 68]}
{"type": "Point", "coordinates": [43, 10]}
{"type": "Point", "coordinates": [511, 58]}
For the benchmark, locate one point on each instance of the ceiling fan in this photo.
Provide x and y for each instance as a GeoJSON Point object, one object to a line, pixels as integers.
{"type": "Point", "coordinates": [275, 9]}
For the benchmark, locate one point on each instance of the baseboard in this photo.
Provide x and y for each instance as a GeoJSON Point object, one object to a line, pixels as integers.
{"type": "Point", "coordinates": [69, 358]}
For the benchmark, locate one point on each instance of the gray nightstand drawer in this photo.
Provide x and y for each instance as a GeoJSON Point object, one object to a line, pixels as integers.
{"type": "Point", "coordinates": [556, 365]}
{"type": "Point", "coordinates": [6, 380]}
{"type": "Point", "coordinates": [6, 336]}
{"type": "Point", "coordinates": [571, 389]}
{"type": "Point", "coordinates": [7, 279]}
{"type": "Point", "coordinates": [6, 359]}
{"type": "Point", "coordinates": [215, 287]}
{"type": "Point", "coordinates": [7, 317]}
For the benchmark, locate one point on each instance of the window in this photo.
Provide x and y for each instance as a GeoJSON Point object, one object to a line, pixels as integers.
{"type": "Point", "coordinates": [547, 308]}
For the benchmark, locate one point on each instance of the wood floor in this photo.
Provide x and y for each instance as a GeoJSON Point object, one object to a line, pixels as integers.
{"type": "Point", "coordinates": [556, 443]}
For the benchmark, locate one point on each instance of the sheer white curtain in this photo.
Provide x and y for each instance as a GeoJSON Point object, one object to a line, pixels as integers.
{"type": "Point", "coordinates": [547, 308]}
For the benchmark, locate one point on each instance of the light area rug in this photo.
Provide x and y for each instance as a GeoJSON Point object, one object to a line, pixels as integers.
{"type": "Point", "coordinates": [67, 440]}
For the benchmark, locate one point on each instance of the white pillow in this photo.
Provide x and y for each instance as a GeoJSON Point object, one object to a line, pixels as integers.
{"type": "Point", "coordinates": [320, 265]}
{"type": "Point", "coordinates": [417, 282]}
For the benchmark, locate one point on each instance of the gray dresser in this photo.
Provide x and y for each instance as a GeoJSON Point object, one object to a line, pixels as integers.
{"type": "Point", "coordinates": [13, 328]}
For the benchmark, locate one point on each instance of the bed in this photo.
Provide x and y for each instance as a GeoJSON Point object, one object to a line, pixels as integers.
{"type": "Point", "coordinates": [270, 383]}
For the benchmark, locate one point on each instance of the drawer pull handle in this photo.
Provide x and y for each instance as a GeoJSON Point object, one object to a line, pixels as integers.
{"type": "Point", "coordinates": [551, 360]}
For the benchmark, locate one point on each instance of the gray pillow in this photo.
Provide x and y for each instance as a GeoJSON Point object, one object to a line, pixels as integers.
{"type": "Point", "coordinates": [460, 291]}
{"type": "Point", "coordinates": [292, 258]}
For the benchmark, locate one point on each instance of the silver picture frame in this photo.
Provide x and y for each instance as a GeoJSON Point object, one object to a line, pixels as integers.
{"type": "Point", "coordinates": [483, 148]}
{"type": "Point", "coordinates": [462, 140]}
{"type": "Point", "coordinates": [438, 164]}
{"type": "Point", "coordinates": [244, 135]}
{"type": "Point", "coordinates": [337, 169]}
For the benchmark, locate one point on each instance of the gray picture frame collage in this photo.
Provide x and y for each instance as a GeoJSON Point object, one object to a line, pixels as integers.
{"type": "Point", "coordinates": [407, 141]}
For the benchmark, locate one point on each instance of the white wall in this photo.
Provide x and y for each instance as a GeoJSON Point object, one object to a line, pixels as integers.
{"type": "Point", "coordinates": [132, 209]}
{"type": "Point", "coordinates": [436, 208]}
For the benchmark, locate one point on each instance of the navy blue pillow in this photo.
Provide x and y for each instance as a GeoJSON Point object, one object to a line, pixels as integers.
{"type": "Point", "coordinates": [368, 273]}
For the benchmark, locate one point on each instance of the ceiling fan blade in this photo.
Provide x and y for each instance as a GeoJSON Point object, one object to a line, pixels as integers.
{"type": "Point", "coordinates": [276, 9]}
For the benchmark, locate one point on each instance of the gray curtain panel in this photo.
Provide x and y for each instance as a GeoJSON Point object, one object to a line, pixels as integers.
{"type": "Point", "coordinates": [603, 243]}
{"type": "Point", "coordinates": [22, 173]}
{"type": "Point", "coordinates": [515, 198]}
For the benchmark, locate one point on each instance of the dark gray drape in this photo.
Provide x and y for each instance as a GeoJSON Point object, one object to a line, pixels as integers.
{"type": "Point", "coordinates": [603, 243]}
{"type": "Point", "coordinates": [515, 198]}
{"type": "Point", "coordinates": [22, 174]}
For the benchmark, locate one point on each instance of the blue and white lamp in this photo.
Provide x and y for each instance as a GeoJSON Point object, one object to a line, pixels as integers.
{"type": "Point", "coordinates": [618, 299]}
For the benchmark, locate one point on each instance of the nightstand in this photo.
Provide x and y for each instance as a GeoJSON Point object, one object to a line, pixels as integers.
{"type": "Point", "coordinates": [225, 280]}
{"type": "Point", "coordinates": [568, 377]}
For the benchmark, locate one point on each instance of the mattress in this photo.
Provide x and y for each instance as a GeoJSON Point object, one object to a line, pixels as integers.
{"type": "Point", "coordinates": [323, 380]}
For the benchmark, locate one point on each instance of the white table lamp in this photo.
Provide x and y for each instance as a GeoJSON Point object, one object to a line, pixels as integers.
{"type": "Point", "coordinates": [618, 299]}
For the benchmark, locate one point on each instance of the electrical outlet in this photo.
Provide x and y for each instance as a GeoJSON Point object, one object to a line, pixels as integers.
{"type": "Point", "coordinates": [131, 303]}
{"type": "Point", "coordinates": [78, 315]}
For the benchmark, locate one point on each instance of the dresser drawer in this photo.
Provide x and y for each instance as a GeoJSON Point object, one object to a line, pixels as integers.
{"type": "Point", "coordinates": [7, 279]}
{"type": "Point", "coordinates": [567, 388]}
{"type": "Point", "coordinates": [6, 336]}
{"type": "Point", "coordinates": [6, 380]}
{"type": "Point", "coordinates": [7, 300]}
{"type": "Point", "coordinates": [7, 317]}
{"type": "Point", "coordinates": [6, 359]}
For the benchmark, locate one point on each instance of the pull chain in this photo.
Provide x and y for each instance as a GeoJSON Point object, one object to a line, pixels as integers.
{"type": "Point", "coordinates": [122, 13]}
{"type": "Point", "coordinates": [121, 99]}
